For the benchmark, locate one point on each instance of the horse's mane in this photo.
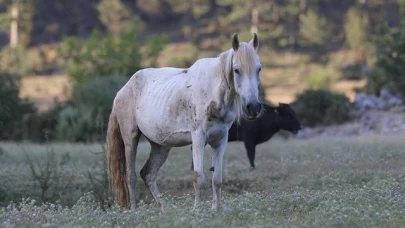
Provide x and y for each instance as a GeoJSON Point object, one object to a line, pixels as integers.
{"type": "Point", "coordinates": [245, 57]}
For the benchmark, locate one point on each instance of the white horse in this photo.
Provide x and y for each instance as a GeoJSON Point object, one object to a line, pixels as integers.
{"type": "Point", "coordinates": [175, 107]}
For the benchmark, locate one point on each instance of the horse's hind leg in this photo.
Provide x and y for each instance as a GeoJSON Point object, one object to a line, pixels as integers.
{"type": "Point", "coordinates": [130, 155]}
{"type": "Point", "coordinates": [157, 158]}
{"type": "Point", "coordinates": [130, 135]}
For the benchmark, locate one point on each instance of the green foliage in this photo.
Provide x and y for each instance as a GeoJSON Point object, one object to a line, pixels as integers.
{"type": "Point", "coordinates": [389, 68]}
{"type": "Point", "coordinates": [321, 107]}
{"type": "Point", "coordinates": [391, 63]}
{"type": "Point", "coordinates": [51, 179]}
{"type": "Point", "coordinates": [26, 11]}
{"type": "Point", "coordinates": [320, 77]}
{"type": "Point", "coordinates": [102, 56]}
{"type": "Point", "coordinates": [356, 29]}
{"type": "Point", "coordinates": [41, 126]}
{"type": "Point", "coordinates": [99, 180]}
{"type": "Point", "coordinates": [114, 15]}
{"type": "Point", "coordinates": [376, 81]}
{"type": "Point", "coordinates": [85, 116]}
{"type": "Point", "coordinates": [314, 28]}
{"type": "Point", "coordinates": [14, 60]}
{"type": "Point", "coordinates": [13, 109]}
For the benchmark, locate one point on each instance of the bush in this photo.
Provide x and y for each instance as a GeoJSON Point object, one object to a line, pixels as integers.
{"type": "Point", "coordinates": [391, 63]}
{"type": "Point", "coordinates": [389, 68]}
{"type": "Point", "coordinates": [40, 127]}
{"type": "Point", "coordinates": [14, 60]}
{"type": "Point", "coordinates": [13, 109]}
{"type": "Point", "coordinates": [84, 118]}
{"type": "Point", "coordinates": [376, 81]}
{"type": "Point", "coordinates": [321, 107]}
{"type": "Point", "coordinates": [320, 77]}
{"type": "Point", "coordinates": [101, 55]}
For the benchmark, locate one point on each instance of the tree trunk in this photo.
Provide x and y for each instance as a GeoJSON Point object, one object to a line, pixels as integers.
{"type": "Point", "coordinates": [363, 16]}
{"type": "Point", "coordinates": [14, 24]}
{"type": "Point", "coordinates": [303, 7]}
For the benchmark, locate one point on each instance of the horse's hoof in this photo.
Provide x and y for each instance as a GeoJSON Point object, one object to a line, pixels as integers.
{"type": "Point", "coordinates": [252, 168]}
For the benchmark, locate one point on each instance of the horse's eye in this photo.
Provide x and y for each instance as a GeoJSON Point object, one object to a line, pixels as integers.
{"type": "Point", "coordinates": [236, 71]}
{"type": "Point", "coordinates": [260, 69]}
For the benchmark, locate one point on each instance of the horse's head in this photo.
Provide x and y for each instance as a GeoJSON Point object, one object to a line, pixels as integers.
{"type": "Point", "coordinates": [246, 75]}
{"type": "Point", "coordinates": [287, 120]}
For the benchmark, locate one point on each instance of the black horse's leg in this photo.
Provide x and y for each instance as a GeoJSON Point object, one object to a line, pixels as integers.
{"type": "Point", "coordinates": [192, 164]}
{"type": "Point", "coordinates": [251, 151]}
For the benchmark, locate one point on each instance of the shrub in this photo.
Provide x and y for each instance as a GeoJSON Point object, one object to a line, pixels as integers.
{"type": "Point", "coordinates": [376, 81]}
{"type": "Point", "coordinates": [391, 63]}
{"type": "Point", "coordinates": [389, 68]}
{"type": "Point", "coordinates": [103, 56]}
{"type": "Point", "coordinates": [14, 60]}
{"type": "Point", "coordinates": [321, 107]}
{"type": "Point", "coordinates": [51, 180]}
{"type": "Point", "coordinates": [13, 109]}
{"type": "Point", "coordinates": [85, 116]}
{"type": "Point", "coordinates": [355, 29]}
{"type": "Point", "coordinates": [40, 127]}
{"type": "Point", "coordinates": [314, 28]}
{"type": "Point", "coordinates": [320, 77]}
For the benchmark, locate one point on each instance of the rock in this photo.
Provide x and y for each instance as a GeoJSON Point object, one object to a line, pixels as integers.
{"type": "Point", "coordinates": [391, 99]}
{"type": "Point", "coordinates": [386, 101]}
{"type": "Point", "coordinates": [394, 101]}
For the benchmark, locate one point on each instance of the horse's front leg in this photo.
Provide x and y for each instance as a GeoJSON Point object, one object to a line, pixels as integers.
{"type": "Point", "coordinates": [198, 147]}
{"type": "Point", "coordinates": [217, 156]}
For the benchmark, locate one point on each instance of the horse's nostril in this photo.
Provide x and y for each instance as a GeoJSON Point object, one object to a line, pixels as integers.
{"type": "Point", "coordinates": [249, 107]}
{"type": "Point", "coordinates": [254, 109]}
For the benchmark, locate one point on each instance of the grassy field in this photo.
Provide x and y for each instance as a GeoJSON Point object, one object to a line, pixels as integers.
{"type": "Point", "coordinates": [318, 182]}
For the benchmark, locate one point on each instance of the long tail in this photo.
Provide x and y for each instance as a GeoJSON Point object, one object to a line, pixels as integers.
{"type": "Point", "coordinates": [116, 161]}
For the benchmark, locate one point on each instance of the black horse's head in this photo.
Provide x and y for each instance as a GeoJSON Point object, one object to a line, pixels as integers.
{"type": "Point", "coordinates": [287, 119]}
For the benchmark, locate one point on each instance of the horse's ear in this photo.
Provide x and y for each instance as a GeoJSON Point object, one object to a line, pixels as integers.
{"type": "Point", "coordinates": [255, 41]}
{"type": "Point", "coordinates": [235, 42]}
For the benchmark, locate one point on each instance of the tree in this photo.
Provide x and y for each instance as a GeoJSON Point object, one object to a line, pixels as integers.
{"type": "Point", "coordinates": [356, 30]}
{"type": "Point", "coordinates": [18, 17]}
{"type": "Point", "coordinates": [314, 28]}
{"type": "Point", "coordinates": [114, 15]}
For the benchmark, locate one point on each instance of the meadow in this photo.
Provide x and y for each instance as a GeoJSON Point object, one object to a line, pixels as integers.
{"type": "Point", "coordinates": [318, 182]}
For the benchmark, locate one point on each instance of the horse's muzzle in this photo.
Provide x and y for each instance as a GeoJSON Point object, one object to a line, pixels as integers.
{"type": "Point", "coordinates": [254, 110]}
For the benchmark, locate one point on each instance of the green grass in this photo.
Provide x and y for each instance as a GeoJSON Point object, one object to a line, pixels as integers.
{"type": "Point", "coordinates": [319, 182]}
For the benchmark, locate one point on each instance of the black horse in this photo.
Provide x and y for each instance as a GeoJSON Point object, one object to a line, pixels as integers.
{"type": "Point", "coordinates": [261, 130]}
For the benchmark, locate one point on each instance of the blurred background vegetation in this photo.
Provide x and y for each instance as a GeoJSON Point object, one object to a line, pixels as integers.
{"type": "Point", "coordinates": [61, 62]}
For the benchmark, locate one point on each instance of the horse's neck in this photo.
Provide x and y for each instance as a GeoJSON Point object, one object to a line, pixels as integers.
{"type": "Point", "coordinates": [224, 91]}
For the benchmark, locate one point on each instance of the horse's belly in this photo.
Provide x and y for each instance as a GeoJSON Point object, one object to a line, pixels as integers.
{"type": "Point", "coordinates": [162, 129]}
{"type": "Point", "coordinates": [176, 139]}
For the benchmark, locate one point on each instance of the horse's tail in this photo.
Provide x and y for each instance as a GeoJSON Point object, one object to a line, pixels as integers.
{"type": "Point", "coordinates": [116, 161]}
